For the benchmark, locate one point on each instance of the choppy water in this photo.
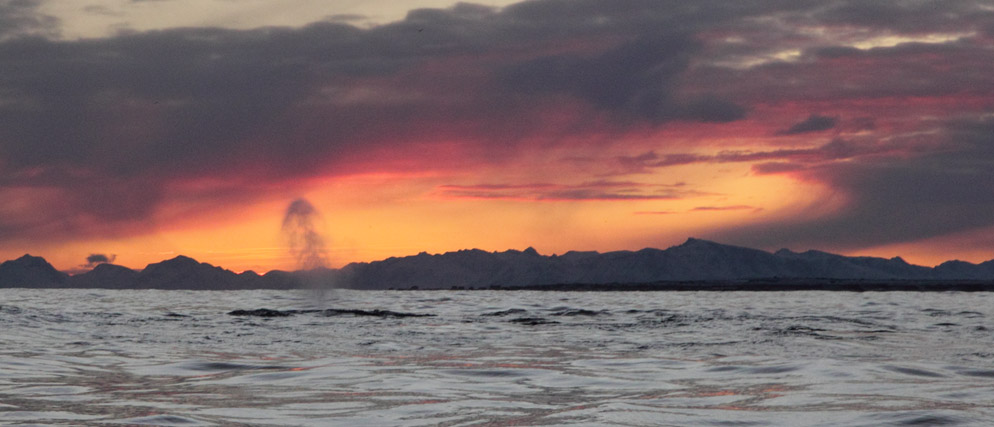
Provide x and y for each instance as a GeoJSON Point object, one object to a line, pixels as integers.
{"type": "Point", "coordinates": [95, 357]}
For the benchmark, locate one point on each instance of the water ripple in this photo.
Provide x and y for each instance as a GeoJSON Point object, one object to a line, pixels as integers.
{"type": "Point", "coordinates": [499, 358]}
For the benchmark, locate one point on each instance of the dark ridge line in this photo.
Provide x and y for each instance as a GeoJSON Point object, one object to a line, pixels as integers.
{"type": "Point", "coordinates": [772, 285]}
{"type": "Point", "coordinates": [696, 265]}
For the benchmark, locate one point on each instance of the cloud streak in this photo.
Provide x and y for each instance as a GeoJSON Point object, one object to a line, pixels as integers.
{"type": "Point", "coordinates": [837, 150]}
{"type": "Point", "coordinates": [546, 192]}
{"type": "Point", "coordinates": [814, 123]}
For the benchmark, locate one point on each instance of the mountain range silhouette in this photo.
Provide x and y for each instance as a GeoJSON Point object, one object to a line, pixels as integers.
{"type": "Point", "coordinates": [695, 264]}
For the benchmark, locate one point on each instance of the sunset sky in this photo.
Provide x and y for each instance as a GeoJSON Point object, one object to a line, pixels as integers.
{"type": "Point", "coordinates": [137, 130]}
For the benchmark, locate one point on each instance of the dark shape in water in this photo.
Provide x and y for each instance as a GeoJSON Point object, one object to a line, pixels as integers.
{"type": "Point", "coordinates": [374, 313]}
{"type": "Point", "coordinates": [9, 309]}
{"type": "Point", "coordinates": [261, 312]}
{"type": "Point", "coordinates": [266, 312]}
{"type": "Point", "coordinates": [507, 312]}
{"type": "Point", "coordinates": [577, 312]}
{"type": "Point", "coordinates": [227, 366]}
{"type": "Point", "coordinates": [533, 321]}
{"type": "Point", "coordinates": [914, 371]}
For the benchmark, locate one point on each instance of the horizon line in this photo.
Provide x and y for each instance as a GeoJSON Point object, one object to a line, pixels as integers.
{"type": "Point", "coordinates": [82, 270]}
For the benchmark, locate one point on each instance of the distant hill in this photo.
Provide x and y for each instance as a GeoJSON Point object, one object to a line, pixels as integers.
{"type": "Point", "coordinates": [30, 272]}
{"type": "Point", "coordinates": [693, 261]}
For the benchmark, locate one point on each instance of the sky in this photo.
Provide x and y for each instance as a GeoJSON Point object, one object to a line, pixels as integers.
{"type": "Point", "coordinates": [132, 131]}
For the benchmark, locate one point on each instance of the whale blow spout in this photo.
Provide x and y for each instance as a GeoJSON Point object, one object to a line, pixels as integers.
{"type": "Point", "coordinates": [306, 244]}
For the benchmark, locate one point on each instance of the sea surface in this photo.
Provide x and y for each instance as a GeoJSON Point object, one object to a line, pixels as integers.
{"type": "Point", "coordinates": [108, 357]}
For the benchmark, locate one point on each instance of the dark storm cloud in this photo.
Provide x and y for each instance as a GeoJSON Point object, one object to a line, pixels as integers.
{"type": "Point", "coordinates": [833, 73]}
{"type": "Point", "coordinates": [21, 18]}
{"type": "Point", "coordinates": [710, 109]}
{"type": "Point", "coordinates": [101, 131]}
{"type": "Point", "coordinates": [814, 123]}
{"type": "Point", "coordinates": [635, 78]}
{"type": "Point", "coordinates": [111, 126]}
{"type": "Point", "coordinates": [894, 199]}
{"type": "Point", "coordinates": [112, 122]}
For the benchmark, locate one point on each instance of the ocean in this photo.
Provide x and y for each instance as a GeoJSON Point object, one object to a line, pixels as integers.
{"type": "Point", "coordinates": [469, 358]}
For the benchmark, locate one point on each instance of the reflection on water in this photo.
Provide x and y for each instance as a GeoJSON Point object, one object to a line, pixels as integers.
{"type": "Point", "coordinates": [507, 358]}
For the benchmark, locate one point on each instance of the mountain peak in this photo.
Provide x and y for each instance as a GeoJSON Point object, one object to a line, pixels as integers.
{"type": "Point", "coordinates": [530, 251]}
{"type": "Point", "coordinates": [181, 259]}
{"type": "Point", "coordinates": [691, 241]}
{"type": "Point", "coordinates": [28, 259]}
{"type": "Point", "coordinates": [178, 263]}
{"type": "Point", "coordinates": [183, 272]}
{"type": "Point", "coordinates": [31, 262]}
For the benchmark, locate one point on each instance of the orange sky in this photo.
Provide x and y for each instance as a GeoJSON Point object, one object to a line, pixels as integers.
{"type": "Point", "coordinates": [138, 132]}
